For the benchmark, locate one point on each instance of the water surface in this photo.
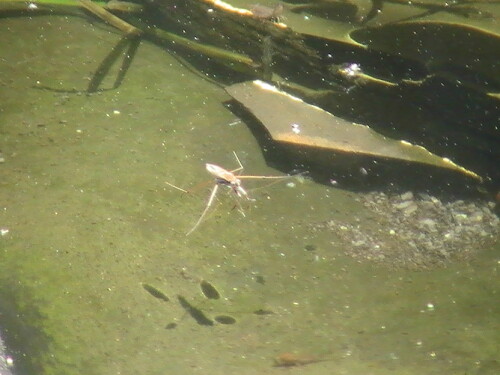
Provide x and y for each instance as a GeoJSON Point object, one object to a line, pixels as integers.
{"type": "Point", "coordinates": [90, 220]}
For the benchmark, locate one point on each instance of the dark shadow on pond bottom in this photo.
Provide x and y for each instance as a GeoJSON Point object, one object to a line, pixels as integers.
{"type": "Point", "coordinates": [195, 313]}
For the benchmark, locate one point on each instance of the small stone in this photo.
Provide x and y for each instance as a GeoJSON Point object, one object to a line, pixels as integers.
{"type": "Point", "coordinates": [407, 196]}
{"type": "Point", "coordinates": [403, 205]}
{"type": "Point", "coordinates": [477, 217]}
{"type": "Point", "coordinates": [460, 217]}
{"type": "Point", "coordinates": [428, 224]}
{"type": "Point", "coordinates": [358, 243]}
{"type": "Point", "coordinates": [410, 209]}
{"type": "Point", "coordinates": [444, 253]}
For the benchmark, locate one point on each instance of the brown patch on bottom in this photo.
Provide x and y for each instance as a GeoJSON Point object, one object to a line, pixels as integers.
{"type": "Point", "coordinates": [291, 359]}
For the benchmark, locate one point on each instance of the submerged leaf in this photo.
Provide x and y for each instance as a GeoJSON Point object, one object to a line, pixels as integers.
{"type": "Point", "coordinates": [290, 120]}
{"type": "Point", "coordinates": [470, 53]}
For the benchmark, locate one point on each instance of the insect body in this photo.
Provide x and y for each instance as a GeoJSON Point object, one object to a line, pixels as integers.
{"type": "Point", "coordinates": [226, 178]}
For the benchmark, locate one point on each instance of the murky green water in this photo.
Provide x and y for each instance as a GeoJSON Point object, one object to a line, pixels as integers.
{"type": "Point", "coordinates": [90, 220]}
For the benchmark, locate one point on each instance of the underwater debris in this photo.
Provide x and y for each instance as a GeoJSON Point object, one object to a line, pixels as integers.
{"type": "Point", "coordinates": [171, 325]}
{"type": "Point", "coordinates": [267, 13]}
{"type": "Point", "coordinates": [416, 230]}
{"type": "Point", "coordinates": [460, 45]}
{"type": "Point", "coordinates": [283, 114]}
{"type": "Point", "coordinates": [291, 359]}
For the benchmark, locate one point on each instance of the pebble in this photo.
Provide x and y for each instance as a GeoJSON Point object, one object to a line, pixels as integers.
{"type": "Point", "coordinates": [403, 205]}
{"type": "Point", "coordinates": [410, 209]}
{"type": "Point", "coordinates": [415, 230]}
{"type": "Point", "coordinates": [477, 217]}
{"type": "Point", "coordinates": [408, 196]}
{"type": "Point", "coordinates": [428, 224]}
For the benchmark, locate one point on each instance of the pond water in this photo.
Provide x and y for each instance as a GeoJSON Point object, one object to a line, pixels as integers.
{"type": "Point", "coordinates": [97, 274]}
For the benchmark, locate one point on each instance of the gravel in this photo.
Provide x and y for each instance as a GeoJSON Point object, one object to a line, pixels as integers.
{"type": "Point", "coordinates": [415, 230]}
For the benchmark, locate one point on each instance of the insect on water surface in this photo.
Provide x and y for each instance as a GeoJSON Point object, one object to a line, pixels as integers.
{"type": "Point", "coordinates": [226, 178]}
